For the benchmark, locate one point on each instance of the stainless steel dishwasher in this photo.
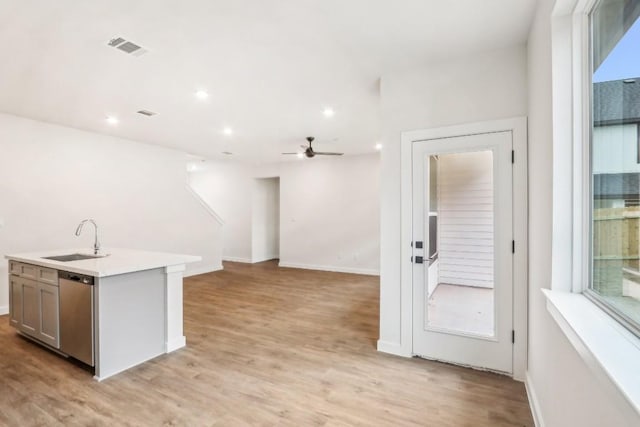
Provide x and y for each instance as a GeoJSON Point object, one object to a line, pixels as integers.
{"type": "Point", "coordinates": [76, 316]}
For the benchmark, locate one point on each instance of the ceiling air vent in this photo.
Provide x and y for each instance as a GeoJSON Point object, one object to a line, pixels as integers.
{"type": "Point", "coordinates": [127, 46]}
{"type": "Point", "coordinates": [147, 113]}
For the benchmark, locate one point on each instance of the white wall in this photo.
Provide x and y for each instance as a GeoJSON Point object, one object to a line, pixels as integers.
{"type": "Point", "coordinates": [330, 214]}
{"type": "Point", "coordinates": [566, 391]}
{"type": "Point", "coordinates": [490, 85]}
{"type": "Point", "coordinates": [265, 219]}
{"type": "Point", "coordinates": [227, 187]}
{"type": "Point", "coordinates": [465, 219]}
{"type": "Point", "coordinates": [329, 210]}
{"type": "Point", "coordinates": [52, 177]}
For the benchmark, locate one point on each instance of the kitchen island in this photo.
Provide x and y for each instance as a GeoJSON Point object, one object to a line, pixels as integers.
{"type": "Point", "coordinates": [135, 308]}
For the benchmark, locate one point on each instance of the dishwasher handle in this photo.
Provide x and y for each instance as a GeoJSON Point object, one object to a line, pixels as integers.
{"type": "Point", "coordinates": [76, 277]}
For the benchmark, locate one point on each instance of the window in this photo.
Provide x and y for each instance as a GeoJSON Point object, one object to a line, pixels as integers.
{"type": "Point", "coordinates": [585, 50]}
{"type": "Point", "coordinates": [615, 171]}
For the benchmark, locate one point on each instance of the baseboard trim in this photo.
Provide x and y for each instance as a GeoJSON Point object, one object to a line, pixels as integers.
{"type": "Point", "coordinates": [176, 343]}
{"type": "Point", "coordinates": [236, 259]}
{"type": "Point", "coordinates": [104, 376]}
{"type": "Point", "coordinates": [534, 404]}
{"type": "Point", "coordinates": [365, 271]}
{"type": "Point", "coordinates": [271, 258]}
{"type": "Point", "coordinates": [4, 310]}
{"type": "Point", "coordinates": [202, 270]}
{"type": "Point", "coordinates": [392, 348]}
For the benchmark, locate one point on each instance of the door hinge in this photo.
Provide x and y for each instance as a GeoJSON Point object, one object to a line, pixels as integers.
{"type": "Point", "coordinates": [513, 156]}
{"type": "Point", "coordinates": [513, 336]}
{"type": "Point", "coordinates": [513, 246]}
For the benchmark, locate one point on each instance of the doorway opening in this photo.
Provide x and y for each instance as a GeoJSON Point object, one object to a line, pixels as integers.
{"type": "Point", "coordinates": [463, 284]}
{"type": "Point", "coordinates": [265, 219]}
{"type": "Point", "coordinates": [506, 349]}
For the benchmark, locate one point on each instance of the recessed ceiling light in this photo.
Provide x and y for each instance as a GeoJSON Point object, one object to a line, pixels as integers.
{"type": "Point", "coordinates": [202, 94]}
{"type": "Point", "coordinates": [300, 155]}
{"type": "Point", "coordinates": [328, 112]}
{"type": "Point", "coordinates": [227, 131]}
{"type": "Point", "coordinates": [112, 120]}
{"type": "Point", "coordinates": [378, 146]}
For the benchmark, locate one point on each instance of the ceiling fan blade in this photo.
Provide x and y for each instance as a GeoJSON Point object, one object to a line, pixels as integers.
{"type": "Point", "coordinates": [290, 153]}
{"type": "Point", "coordinates": [327, 154]}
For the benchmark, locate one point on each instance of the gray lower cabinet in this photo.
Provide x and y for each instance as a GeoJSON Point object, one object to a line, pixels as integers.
{"type": "Point", "coordinates": [49, 326]}
{"type": "Point", "coordinates": [15, 301]}
{"type": "Point", "coordinates": [30, 307]}
{"type": "Point", "coordinates": [34, 302]}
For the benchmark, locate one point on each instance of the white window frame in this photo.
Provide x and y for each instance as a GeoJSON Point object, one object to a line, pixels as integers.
{"type": "Point", "coordinates": [582, 140]}
{"type": "Point", "coordinates": [572, 93]}
{"type": "Point", "coordinates": [582, 278]}
{"type": "Point", "coordinates": [610, 350]}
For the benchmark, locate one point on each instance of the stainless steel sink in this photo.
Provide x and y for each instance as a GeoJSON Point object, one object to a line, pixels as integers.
{"type": "Point", "coordinates": [72, 257]}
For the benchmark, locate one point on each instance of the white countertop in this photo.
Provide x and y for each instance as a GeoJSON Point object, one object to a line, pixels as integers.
{"type": "Point", "coordinates": [119, 261]}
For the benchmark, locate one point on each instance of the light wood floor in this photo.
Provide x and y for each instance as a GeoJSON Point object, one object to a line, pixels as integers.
{"type": "Point", "coordinates": [266, 346]}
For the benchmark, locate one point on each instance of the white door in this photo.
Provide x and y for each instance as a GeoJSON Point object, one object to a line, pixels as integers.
{"type": "Point", "coordinates": [462, 250]}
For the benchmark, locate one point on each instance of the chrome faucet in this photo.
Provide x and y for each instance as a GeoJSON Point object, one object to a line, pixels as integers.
{"type": "Point", "coordinates": [96, 244]}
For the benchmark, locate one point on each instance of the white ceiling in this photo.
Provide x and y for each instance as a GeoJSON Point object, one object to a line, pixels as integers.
{"type": "Point", "coordinates": [269, 66]}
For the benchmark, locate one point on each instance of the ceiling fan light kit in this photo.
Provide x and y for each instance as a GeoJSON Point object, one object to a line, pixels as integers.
{"type": "Point", "coordinates": [310, 153]}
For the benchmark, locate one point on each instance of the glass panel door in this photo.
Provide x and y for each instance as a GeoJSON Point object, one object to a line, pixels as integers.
{"type": "Point", "coordinates": [461, 268]}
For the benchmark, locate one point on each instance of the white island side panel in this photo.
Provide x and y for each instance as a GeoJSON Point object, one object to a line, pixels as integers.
{"type": "Point", "coordinates": [130, 320]}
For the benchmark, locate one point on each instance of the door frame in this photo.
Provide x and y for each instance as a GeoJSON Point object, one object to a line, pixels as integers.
{"type": "Point", "coordinates": [518, 127]}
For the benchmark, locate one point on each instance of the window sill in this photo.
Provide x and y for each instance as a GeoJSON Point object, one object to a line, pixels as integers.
{"type": "Point", "coordinates": [610, 351]}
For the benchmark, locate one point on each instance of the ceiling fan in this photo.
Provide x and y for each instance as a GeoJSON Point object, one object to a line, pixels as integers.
{"type": "Point", "coordinates": [308, 150]}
